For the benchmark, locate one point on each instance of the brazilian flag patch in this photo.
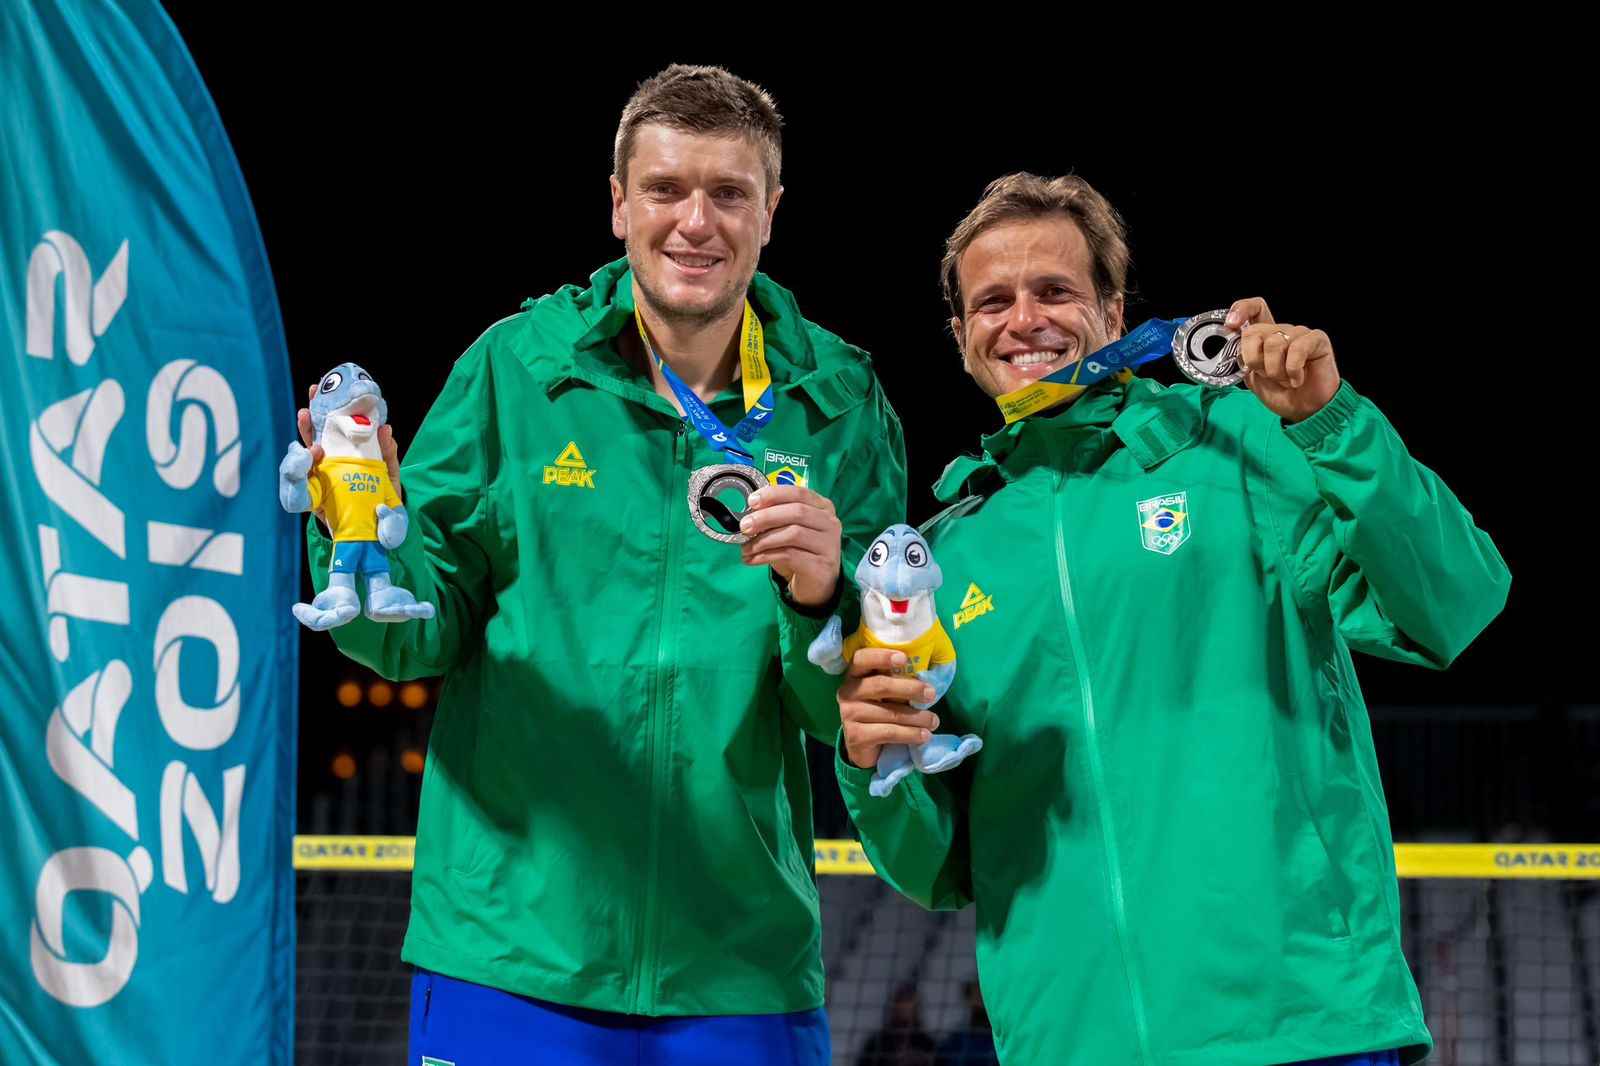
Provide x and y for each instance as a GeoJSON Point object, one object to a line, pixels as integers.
{"type": "Point", "coordinates": [786, 468]}
{"type": "Point", "coordinates": [1164, 525]}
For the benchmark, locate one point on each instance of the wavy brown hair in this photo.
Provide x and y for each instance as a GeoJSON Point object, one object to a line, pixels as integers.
{"type": "Point", "coordinates": [1026, 196]}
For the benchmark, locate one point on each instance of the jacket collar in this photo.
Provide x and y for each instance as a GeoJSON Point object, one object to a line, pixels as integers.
{"type": "Point", "coordinates": [1151, 421]}
{"type": "Point", "coordinates": [606, 308]}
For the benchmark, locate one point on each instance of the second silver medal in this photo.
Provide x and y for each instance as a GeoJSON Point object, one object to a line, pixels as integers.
{"type": "Point", "coordinates": [1207, 351]}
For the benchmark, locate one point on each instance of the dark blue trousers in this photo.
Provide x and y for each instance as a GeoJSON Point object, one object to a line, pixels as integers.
{"type": "Point", "coordinates": [458, 1023]}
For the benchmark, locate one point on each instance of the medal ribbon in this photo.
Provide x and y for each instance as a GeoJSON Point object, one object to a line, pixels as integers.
{"type": "Point", "coordinates": [1150, 341]}
{"type": "Point", "coordinates": [757, 382]}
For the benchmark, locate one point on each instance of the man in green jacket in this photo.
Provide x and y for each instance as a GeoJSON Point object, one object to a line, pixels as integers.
{"type": "Point", "coordinates": [1175, 834]}
{"type": "Point", "coordinates": [614, 852]}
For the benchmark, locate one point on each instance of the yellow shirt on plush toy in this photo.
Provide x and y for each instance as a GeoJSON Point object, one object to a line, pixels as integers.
{"type": "Point", "coordinates": [352, 490]}
{"type": "Point", "coordinates": [932, 648]}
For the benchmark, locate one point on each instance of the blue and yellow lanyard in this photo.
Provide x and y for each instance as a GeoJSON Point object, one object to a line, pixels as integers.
{"type": "Point", "coordinates": [758, 399]}
{"type": "Point", "coordinates": [1150, 341]}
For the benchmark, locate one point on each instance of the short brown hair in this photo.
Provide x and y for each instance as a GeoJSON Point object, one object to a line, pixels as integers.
{"type": "Point", "coordinates": [702, 100]}
{"type": "Point", "coordinates": [1024, 196]}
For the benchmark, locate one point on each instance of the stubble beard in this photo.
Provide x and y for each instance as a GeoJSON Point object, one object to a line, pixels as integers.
{"type": "Point", "coordinates": [687, 317]}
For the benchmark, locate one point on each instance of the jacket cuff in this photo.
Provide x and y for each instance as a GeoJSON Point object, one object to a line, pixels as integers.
{"type": "Point", "coordinates": [798, 625]}
{"type": "Point", "coordinates": [1333, 418]}
{"type": "Point", "coordinates": [853, 780]}
{"type": "Point", "coordinates": [819, 614]}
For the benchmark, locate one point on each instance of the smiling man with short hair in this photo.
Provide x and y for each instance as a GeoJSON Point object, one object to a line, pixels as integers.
{"type": "Point", "coordinates": [614, 855]}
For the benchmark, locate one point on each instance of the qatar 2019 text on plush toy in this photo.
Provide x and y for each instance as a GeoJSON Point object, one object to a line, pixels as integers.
{"type": "Point", "coordinates": [898, 577]}
{"type": "Point", "coordinates": [351, 486]}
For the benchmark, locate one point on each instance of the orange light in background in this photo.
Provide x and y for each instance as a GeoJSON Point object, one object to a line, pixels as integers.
{"type": "Point", "coordinates": [349, 693]}
{"type": "Point", "coordinates": [344, 767]}
{"type": "Point", "coordinates": [413, 695]}
{"type": "Point", "coordinates": [381, 694]}
{"type": "Point", "coordinates": [411, 759]}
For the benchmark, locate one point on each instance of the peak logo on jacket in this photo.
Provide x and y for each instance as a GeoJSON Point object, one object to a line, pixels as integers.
{"type": "Point", "coordinates": [570, 469]}
{"type": "Point", "coordinates": [1164, 522]}
{"type": "Point", "coordinates": [973, 605]}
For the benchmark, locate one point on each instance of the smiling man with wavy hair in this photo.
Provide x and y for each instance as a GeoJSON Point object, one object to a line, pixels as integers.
{"type": "Point", "coordinates": [1174, 835]}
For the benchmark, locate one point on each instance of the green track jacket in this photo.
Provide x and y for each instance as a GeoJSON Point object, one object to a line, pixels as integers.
{"type": "Point", "coordinates": [615, 808]}
{"type": "Point", "coordinates": [1175, 834]}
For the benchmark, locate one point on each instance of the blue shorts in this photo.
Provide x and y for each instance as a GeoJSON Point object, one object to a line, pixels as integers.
{"type": "Point", "coordinates": [458, 1023]}
{"type": "Point", "coordinates": [1369, 1058]}
{"type": "Point", "coordinates": [359, 557]}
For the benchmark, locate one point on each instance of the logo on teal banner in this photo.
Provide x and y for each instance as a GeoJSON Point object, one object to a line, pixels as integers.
{"type": "Point", "coordinates": [147, 717]}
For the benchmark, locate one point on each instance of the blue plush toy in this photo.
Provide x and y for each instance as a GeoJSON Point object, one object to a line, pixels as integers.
{"type": "Point", "coordinates": [898, 577]}
{"type": "Point", "coordinates": [352, 488]}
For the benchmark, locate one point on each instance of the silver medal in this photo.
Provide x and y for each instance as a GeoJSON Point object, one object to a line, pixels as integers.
{"type": "Point", "coordinates": [711, 516]}
{"type": "Point", "coordinates": [1207, 351]}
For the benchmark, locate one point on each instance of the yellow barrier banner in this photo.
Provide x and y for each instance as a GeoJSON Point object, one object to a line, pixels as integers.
{"type": "Point", "coordinates": [1566, 862]}
{"type": "Point", "coordinates": [354, 853]}
{"type": "Point", "coordinates": [842, 857]}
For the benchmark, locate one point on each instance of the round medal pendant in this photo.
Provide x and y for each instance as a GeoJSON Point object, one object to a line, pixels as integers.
{"type": "Point", "coordinates": [1207, 351]}
{"type": "Point", "coordinates": [713, 517]}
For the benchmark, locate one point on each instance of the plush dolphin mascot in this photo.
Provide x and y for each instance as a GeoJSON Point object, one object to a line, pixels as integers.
{"type": "Point", "coordinates": [351, 486]}
{"type": "Point", "coordinates": [898, 577]}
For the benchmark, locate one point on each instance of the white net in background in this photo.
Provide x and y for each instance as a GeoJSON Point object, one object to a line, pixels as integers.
{"type": "Point", "coordinates": [1508, 970]}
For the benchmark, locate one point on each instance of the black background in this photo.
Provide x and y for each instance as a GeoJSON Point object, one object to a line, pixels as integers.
{"type": "Point", "coordinates": [416, 180]}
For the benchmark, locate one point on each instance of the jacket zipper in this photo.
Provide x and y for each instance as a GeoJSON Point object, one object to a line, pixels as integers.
{"type": "Point", "coordinates": [656, 748]}
{"type": "Point", "coordinates": [1097, 772]}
